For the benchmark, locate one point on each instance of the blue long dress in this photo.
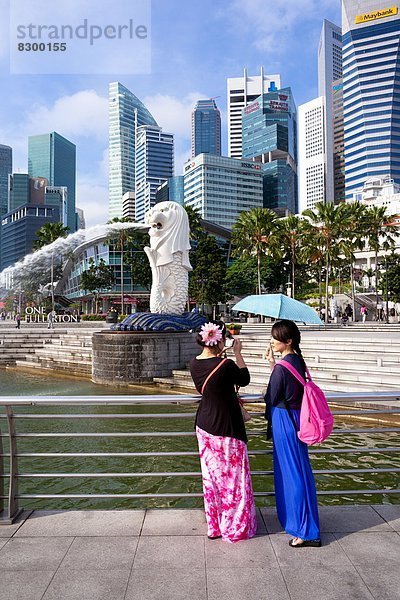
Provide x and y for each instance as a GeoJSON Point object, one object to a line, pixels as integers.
{"type": "Point", "coordinates": [295, 494]}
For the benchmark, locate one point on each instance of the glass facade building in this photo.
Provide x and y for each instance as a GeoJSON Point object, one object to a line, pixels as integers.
{"type": "Point", "coordinates": [371, 92]}
{"type": "Point", "coordinates": [220, 188]}
{"type": "Point", "coordinates": [5, 171]}
{"type": "Point", "coordinates": [172, 190]}
{"type": "Point", "coordinates": [338, 141]}
{"type": "Point", "coordinates": [154, 157]}
{"type": "Point", "coordinates": [126, 113]}
{"type": "Point", "coordinates": [206, 128]}
{"type": "Point", "coordinates": [18, 230]}
{"type": "Point", "coordinates": [270, 138]}
{"type": "Point", "coordinates": [54, 157]}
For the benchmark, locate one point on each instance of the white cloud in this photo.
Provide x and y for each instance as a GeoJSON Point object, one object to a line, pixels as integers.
{"type": "Point", "coordinates": [173, 114]}
{"type": "Point", "coordinates": [84, 114]}
{"type": "Point", "coordinates": [273, 23]}
{"type": "Point", "coordinates": [180, 159]}
{"type": "Point", "coordinates": [93, 199]}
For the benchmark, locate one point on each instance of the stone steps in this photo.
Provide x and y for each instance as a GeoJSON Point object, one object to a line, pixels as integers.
{"type": "Point", "coordinates": [72, 368]}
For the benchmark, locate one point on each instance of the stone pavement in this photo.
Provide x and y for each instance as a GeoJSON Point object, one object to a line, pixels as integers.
{"type": "Point", "coordinates": [165, 555]}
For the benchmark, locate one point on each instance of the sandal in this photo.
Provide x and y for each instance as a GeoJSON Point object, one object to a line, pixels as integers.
{"type": "Point", "coordinates": [305, 543]}
{"type": "Point", "coordinates": [214, 537]}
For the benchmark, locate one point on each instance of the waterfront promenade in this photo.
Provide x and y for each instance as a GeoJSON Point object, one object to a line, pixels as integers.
{"type": "Point", "coordinates": [165, 555]}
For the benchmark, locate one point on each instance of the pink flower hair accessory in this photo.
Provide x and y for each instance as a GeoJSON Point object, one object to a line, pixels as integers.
{"type": "Point", "coordinates": [211, 334]}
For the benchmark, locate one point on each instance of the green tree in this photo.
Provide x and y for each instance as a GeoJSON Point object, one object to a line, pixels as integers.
{"type": "Point", "coordinates": [121, 239]}
{"type": "Point", "coordinates": [292, 236]}
{"type": "Point", "coordinates": [380, 234]}
{"type": "Point", "coordinates": [48, 233]}
{"type": "Point", "coordinates": [98, 277]}
{"type": "Point", "coordinates": [256, 233]}
{"type": "Point", "coordinates": [241, 276]}
{"type": "Point", "coordinates": [353, 237]}
{"type": "Point", "coordinates": [392, 277]}
{"type": "Point", "coordinates": [206, 281]}
{"type": "Point", "coordinates": [327, 224]}
{"type": "Point", "coordinates": [137, 260]}
{"type": "Point", "coordinates": [197, 230]}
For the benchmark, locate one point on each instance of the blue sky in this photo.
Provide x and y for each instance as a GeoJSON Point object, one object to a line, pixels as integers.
{"type": "Point", "coordinates": [196, 45]}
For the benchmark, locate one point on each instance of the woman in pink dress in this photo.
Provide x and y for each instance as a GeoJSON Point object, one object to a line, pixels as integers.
{"type": "Point", "coordinates": [221, 434]}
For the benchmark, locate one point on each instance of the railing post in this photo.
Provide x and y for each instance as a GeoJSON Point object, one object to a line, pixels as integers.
{"type": "Point", "coordinates": [13, 510]}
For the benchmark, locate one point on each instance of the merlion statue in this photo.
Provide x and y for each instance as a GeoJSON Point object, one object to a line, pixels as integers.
{"type": "Point", "coordinates": [169, 257]}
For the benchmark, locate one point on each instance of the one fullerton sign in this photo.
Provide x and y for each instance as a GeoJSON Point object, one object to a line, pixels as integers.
{"type": "Point", "coordinates": [377, 14]}
{"type": "Point", "coordinates": [38, 314]}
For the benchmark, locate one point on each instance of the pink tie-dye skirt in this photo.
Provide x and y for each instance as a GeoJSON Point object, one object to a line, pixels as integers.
{"type": "Point", "coordinates": [227, 488]}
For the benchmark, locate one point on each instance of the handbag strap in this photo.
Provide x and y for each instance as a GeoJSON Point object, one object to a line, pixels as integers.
{"type": "Point", "coordinates": [212, 373]}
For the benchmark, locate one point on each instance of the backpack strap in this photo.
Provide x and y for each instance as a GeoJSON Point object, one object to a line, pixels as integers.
{"type": "Point", "coordinates": [294, 371]}
{"type": "Point", "coordinates": [212, 373]}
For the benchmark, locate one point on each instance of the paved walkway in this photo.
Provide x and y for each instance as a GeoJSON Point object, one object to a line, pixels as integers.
{"type": "Point", "coordinates": [165, 555]}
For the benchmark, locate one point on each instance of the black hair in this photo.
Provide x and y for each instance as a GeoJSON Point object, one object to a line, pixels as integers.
{"type": "Point", "coordinates": [220, 324]}
{"type": "Point", "coordinates": [285, 330]}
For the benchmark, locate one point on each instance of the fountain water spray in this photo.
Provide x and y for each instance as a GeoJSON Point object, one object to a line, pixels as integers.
{"type": "Point", "coordinates": [40, 260]}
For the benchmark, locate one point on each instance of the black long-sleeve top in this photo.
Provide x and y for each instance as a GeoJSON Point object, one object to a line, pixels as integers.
{"type": "Point", "coordinates": [284, 386]}
{"type": "Point", "coordinates": [219, 411]}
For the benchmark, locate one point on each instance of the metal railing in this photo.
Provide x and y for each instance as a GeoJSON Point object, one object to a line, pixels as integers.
{"type": "Point", "coordinates": [12, 432]}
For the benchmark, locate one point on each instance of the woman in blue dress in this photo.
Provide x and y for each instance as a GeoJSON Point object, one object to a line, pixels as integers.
{"type": "Point", "coordinates": [295, 494]}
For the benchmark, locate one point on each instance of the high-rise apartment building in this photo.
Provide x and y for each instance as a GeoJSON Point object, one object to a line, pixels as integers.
{"type": "Point", "coordinates": [220, 188]}
{"type": "Point", "coordinates": [270, 138]}
{"type": "Point", "coordinates": [154, 158]}
{"type": "Point", "coordinates": [312, 153]}
{"type": "Point", "coordinates": [126, 114]}
{"type": "Point", "coordinates": [206, 128]}
{"type": "Point", "coordinates": [241, 92]}
{"type": "Point", "coordinates": [371, 91]}
{"type": "Point", "coordinates": [329, 70]}
{"type": "Point", "coordinates": [53, 157]}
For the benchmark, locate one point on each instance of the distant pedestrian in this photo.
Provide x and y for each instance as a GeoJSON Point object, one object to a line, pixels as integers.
{"type": "Point", "coordinates": [348, 311]}
{"type": "Point", "coordinates": [18, 321]}
{"type": "Point", "coordinates": [379, 312]}
{"type": "Point", "coordinates": [364, 313]}
{"type": "Point", "coordinates": [50, 319]}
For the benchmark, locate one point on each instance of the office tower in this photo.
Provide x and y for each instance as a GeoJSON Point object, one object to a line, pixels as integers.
{"type": "Point", "coordinates": [220, 188]}
{"type": "Point", "coordinates": [5, 171]}
{"type": "Point", "coordinates": [128, 206]}
{"type": "Point", "coordinates": [371, 98]}
{"type": "Point", "coordinates": [242, 91]}
{"type": "Point", "coordinates": [172, 189]}
{"type": "Point", "coordinates": [329, 70]}
{"type": "Point", "coordinates": [126, 113]}
{"type": "Point", "coordinates": [18, 230]}
{"type": "Point", "coordinates": [58, 196]}
{"type": "Point", "coordinates": [80, 219]}
{"type": "Point", "coordinates": [338, 141]}
{"type": "Point", "coordinates": [154, 159]}
{"type": "Point", "coordinates": [270, 138]}
{"type": "Point", "coordinates": [312, 153]}
{"type": "Point", "coordinates": [54, 157]}
{"type": "Point", "coordinates": [206, 128]}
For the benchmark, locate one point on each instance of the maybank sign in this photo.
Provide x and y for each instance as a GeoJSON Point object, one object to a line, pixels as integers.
{"type": "Point", "coordinates": [377, 14]}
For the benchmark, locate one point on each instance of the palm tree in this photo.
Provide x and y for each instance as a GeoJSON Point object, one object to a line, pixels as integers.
{"type": "Point", "coordinates": [122, 236]}
{"type": "Point", "coordinates": [196, 228]}
{"type": "Point", "coordinates": [328, 222]}
{"type": "Point", "coordinates": [353, 237]}
{"type": "Point", "coordinates": [255, 233]}
{"type": "Point", "coordinates": [292, 235]}
{"type": "Point", "coordinates": [380, 234]}
{"type": "Point", "coordinates": [48, 233]}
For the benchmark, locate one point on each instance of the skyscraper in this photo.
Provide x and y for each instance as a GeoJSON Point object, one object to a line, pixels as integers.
{"type": "Point", "coordinates": [54, 157]}
{"type": "Point", "coordinates": [338, 141]}
{"type": "Point", "coordinates": [312, 153]}
{"type": "Point", "coordinates": [270, 138]}
{"type": "Point", "coordinates": [329, 70]}
{"type": "Point", "coordinates": [154, 160]}
{"type": "Point", "coordinates": [220, 188]}
{"type": "Point", "coordinates": [371, 97]}
{"type": "Point", "coordinates": [206, 128]}
{"type": "Point", "coordinates": [5, 171]}
{"type": "Point", "coordinates": [242, 91]}
{"type": "Point", "coordinates": [126, 113]}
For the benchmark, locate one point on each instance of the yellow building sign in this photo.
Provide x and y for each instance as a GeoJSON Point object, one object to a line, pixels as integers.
{"type": "Point", "coordinates": [377, 14]}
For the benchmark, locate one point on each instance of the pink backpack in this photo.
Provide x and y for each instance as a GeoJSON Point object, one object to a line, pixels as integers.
{"type": "Point", "coordinates": [316, 419]}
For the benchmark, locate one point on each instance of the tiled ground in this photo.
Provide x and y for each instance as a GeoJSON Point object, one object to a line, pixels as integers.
{"type": "Point", "coordinates": [165, 554]}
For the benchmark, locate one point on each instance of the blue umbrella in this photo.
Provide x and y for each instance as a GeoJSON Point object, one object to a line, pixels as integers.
{"type": "Point", "coordinates": [279, 306]}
